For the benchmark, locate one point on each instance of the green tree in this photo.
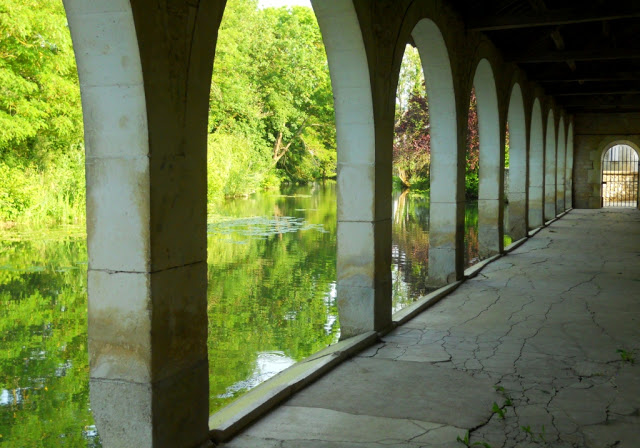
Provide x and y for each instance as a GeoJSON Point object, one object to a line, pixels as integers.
{"type": "Point", "coordinates": [39, 95]}
{"type": "Point", "coordinates": [411, 144]}
{"type": "Point", "coordinates": [40, 113]}
{"type": "Point", "coordinates": [271, 91]}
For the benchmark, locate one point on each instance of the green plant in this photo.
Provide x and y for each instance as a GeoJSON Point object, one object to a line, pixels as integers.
{"type": "Point", "coordinates": [527, 429]}
{"type": "Point", "coordinates": [465, 441]}
{"type": "Point", "coordinates": [626, 356]}
{"type": "Point", "coordinates": [498, 410]}
{"type": "Point", "coordinates": [471, 185]}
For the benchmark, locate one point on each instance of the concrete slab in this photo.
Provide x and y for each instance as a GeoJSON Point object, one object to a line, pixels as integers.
{"type": "Point", "coordinates": [436, 394]}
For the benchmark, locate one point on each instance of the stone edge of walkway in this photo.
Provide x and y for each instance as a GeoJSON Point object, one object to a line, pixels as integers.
{"type": "Point", "coordinates": [230, 420]}
{"type": "Point", "coordinates": [235, 417]}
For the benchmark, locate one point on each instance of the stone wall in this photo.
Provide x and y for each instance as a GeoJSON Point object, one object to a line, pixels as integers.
{"type": "Point", "coordinates": [594, 134]}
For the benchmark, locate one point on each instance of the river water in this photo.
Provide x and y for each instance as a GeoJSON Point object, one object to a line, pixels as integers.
{"type": "Point", "coordinates": [271, 302]}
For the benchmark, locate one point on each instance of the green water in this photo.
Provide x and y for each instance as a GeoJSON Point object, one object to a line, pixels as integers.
{"type": "Point", "coordinates": [271, 302]}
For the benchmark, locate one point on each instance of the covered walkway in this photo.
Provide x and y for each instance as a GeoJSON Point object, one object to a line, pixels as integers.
{"type": "Point", "coordinates": [537, 350]}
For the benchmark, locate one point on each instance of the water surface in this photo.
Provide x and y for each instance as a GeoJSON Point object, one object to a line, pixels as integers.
{"type": "Point", "coordinates": [271, 302]}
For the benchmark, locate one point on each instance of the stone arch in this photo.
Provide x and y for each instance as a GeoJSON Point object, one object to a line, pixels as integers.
{"type": "Point", "coordinates": [550, 149]}
{"type": "Point", "coordinates": [491, 161]}
{"type": "Point", "coordinates": [598, 165]}
{"type": "Point", "coordinates": [568, 183]}
{"type": "Point", "coordinates": [364, 298]}
{"type": "Point", "coordinates": [444, 147]}
{"type": "Point", "coordinates": [561, 166]}
{"type": "Point", "coordinates": [536, 167]}
{"type": "Point", "coordinates": [517, 186]}
{"type": "Point", "coordinates": [145, 97]}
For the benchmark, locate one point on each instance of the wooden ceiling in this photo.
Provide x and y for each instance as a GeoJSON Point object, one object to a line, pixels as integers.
{"type": "Point", "coordinates": [585, 53]}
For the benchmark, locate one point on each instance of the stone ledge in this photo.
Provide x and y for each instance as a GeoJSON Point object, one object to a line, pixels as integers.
{"type": "Point", "coordinates": [411, 311]}
{"type": "Point", "coordinates": [474, 270]}
{"type": "Point", "coordinates": [514, 245]}
{"type": "Point", "coordinates": [229, 421]}
{"type": "Point", "coordinates": [534, 231]}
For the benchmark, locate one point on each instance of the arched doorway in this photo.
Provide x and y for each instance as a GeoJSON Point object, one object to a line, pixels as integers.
{"type": "Point", "coordinates": [620, 177]}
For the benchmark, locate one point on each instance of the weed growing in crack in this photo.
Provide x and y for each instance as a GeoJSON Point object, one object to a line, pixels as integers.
{"type": "Point", "coordinates": [498, 410]}
{"type": "Point", "coordinates": [501, 411]}
{"type": "Point", "coordinates": [534, 436]}
{"type": "Point", "coordinates": [465, 441]}
{"type": "Point", "coordinates": [626, 356]}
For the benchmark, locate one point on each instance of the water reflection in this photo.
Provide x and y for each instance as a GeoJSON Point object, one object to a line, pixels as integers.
{"type": "Point", "coordinates": [271, 302]}
{"type": "Point", "coordinates": [44, 395]}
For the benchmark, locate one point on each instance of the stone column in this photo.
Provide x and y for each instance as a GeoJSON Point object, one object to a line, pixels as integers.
{"type": "Point", "coordinates": [446, 212]}
{"type": "Point", "coordinates": [536, 168]}
{"type": "Point", "coordinates": [560, 173]}
{"type": "Point", "coordinates": [550, 170]}
{"type": "Point", "coordinates": [490, 192]}
{"type": "Point", "coordinates": [517, 190]}
{"type": "Point", "coordinates": [145, 71]}
{"type": "Point", "coordinates": [364, 178]}
{"type": "Point", "coordinates": [569, 169]}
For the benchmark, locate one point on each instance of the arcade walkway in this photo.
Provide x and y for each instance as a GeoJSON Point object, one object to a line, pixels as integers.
{"type": "Point", "coordinates": [537, 350]}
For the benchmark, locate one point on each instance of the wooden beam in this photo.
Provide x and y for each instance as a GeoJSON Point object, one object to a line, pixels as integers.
{"type": "Point", "coordinates": [581, 55]}
{"type": "Point", "coordinates": [550, 18]}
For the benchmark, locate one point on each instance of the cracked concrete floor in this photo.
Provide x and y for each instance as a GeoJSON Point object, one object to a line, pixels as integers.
{"type": "Point", "coordinates": [537, 350]}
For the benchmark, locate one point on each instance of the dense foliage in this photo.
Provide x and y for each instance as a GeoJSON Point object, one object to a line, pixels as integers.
{"type": "Point", "coordinates": [271, 117]}
{"type": "Point", "coordinates": [472, 167]}
{"type": "Point", "coordinates": [412, 142]}
{"type": "Point", "coordinates": [41, 156]}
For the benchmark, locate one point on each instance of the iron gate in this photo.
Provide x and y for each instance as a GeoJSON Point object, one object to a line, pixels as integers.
{"type": "Point", "coordinates": [620, 177]}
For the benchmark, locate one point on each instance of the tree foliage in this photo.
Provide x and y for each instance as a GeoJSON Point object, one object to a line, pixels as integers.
{"type": "Point", "coordinates": [39, 95]}
{"type": "Point", "coordinates": [472, 170]}
{"type": "Point", "coordinates": [270, 99]}
{"type": "Point", "coordinates": [411, 144]}
{"type": "Point", "coordinates": [40, 112]}
{"type": "Point", "coordinates": [271, 107]}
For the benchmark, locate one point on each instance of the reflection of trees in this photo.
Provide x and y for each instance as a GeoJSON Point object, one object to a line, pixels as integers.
{"type": "Point", "coordinates": [43, 361]}
{"type": "Point", "coordinates": [271, 292]}
{"type": "Point", "coordinates": [471, 249]}
{"type": "Point", "coordinates": [410, 251]}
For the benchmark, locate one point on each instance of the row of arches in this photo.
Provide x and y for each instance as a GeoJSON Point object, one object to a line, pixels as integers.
{"type": "Point", "coordinates": [538, 155]}
{"type": "Point", "coordinates": [145, 71]}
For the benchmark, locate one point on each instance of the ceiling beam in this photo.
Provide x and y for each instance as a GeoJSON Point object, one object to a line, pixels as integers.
{"type": "Point", "coordinates": [576, 78]}
{"type": "Point", "coordinates": [595, 110]}
{"type": "Point", "coordinates": [550, 18]}
{"type": "Point", "coordinates": [599, 92]}
{"type": "Point", "coordinates": [607, 54]}
{"type": "Point", "coordinates": [601, 102]}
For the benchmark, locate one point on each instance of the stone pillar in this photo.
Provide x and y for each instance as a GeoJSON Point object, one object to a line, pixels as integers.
{"type": "Point", "coordinates": [446, 213]}
{"type": "Point", "coordinates": [517, 189]}
{"type": "Point", "coordinates": [569, 169]}
{"type": "Point", "coordinates": [550, 169]}
{"type": "Point", "coordinates": [364, 178]}
{"type": "Point", "coordinates": [490, 194]}
{"type": "Point", "coordinates": [536, 168]}
{"type": "Point", "coordinates": [560, 173]}
{"type": "Point", "coordinates": [145, 71]}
